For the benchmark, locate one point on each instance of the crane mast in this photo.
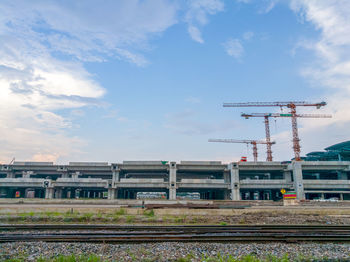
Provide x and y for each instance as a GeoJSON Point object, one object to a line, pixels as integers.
{"type": "Point", "coordinates": [293, 115]}
{"type": "Point", "coordinates": [268, 139]}
{"type": "Point", "coordinates": [252, 142]}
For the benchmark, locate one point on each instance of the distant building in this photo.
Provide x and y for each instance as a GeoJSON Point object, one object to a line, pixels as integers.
{"type": "Point", "coordinates": [337, 152]}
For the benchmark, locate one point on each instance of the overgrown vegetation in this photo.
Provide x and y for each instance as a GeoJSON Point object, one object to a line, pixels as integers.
{"type": "Point", "coordinates": [148, 213]}
{"type": "Point", "coordinates": [149, 216]}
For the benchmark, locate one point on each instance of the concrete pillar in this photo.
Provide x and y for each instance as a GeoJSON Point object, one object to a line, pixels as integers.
{"type": "Point", "coordinates": [322, 195]}
{"type": "Point", "coordinates": [27, 174]}
{"type": "Point", "coordinates": [298, 180]}
{"type": "Point", "coordinates": [76, 175]}
{"type": "Point", "coordinates": [58, 193]}
{"type": "Point", "coordinates": [112, 193]}
{"type": "Point", "coordinates": [227, 177]}
{"type": "Point", "coordinates": [227, 194]}
{"type": "Point", "coordinates": [49, 192]}
{"type": "Point", "coordinates": [113, 190]}
{"type": "Point", "coordinates": [10, 175]}
{"type": "Point", "coordinates": [172, 181]}
{"type": "Point", "coordinates": [65, 174]}
{"type": "Point", "coordinates": [341, 196]}
{"type": "Point", "coordinates": [234, 181]}
{"type": "Point", "coordinates": [287, 176]}
{"type": "Point", "coordinates": [115, 177]}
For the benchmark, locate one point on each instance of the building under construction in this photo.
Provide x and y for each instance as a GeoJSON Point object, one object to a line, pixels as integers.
{"type": "Point", "coordinates": [171, 180]}
{"type": "Point", "coordinates": [324, 175]}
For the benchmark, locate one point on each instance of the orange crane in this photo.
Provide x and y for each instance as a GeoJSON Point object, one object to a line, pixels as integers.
{"type": "Point", "coordinates": [266, 117]}
{"type": "Point", "coordinates": [293, 115]}
{"type": "Point", "coordinates": [252, 142]}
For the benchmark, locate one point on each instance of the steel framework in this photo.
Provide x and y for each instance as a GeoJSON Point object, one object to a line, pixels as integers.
{"type": "Point", "coordinates": [252, 142]}
{"type": "Point", "coordinates": [293, 115]}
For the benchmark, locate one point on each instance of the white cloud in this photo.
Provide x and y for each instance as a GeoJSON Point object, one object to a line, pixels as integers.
{"type": "Point", "coordinates": [195, 34]}
{"type": "Point", "coordinates": [329, 70]}
{"type": "Point", "coordinates": [269, 5]}
{"type": "Point", "coordinates": [43, 46]}
{"type": "Point", "coordinates": [248, 35]}
{"type": "Point", "coordinates": [197, 15]}
{"type": "Point", "coordinates": [234, 48]}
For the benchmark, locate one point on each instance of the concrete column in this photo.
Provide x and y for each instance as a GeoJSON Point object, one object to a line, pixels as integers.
{"type": "Point", "coordinates": [112, 192]}
{"type": "Point", "coordinates": [65, 174]}
{"type": "Point", "coordinates": [298, 180]}
{"type": "Point", "coordinates": [227, 177]}
{"type": "Point", "coordinates": [10, 175]}
{"type": "Point", "coordinates": [27, 174]}
{"type": "Point", "coordinates": [172, 181]}
{"type": "Point", "coordinates": [76, 175]}
{"type": "Point", "coordinates": [341, 196]}
{"type": "Point", "coordinates": [227, 194]}
{"type": "Point", "coordinates": [288, 176]}
{"type": "Point", "coordinates": [115, 177]}
{"type": "Point", "coordinates": [234, 181]}
{"type": "Point", "coordinates": [49, 192]}
{"type": "Point", "coordinates": [58, 193]}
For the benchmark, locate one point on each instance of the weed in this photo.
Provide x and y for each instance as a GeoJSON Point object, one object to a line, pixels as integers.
{"type": "Point", "coordinates": [52, 214]}
{"type": "Point", "coordinates": [99, 214]}
{"type": "Point", "coordinates": [86, 217]}
{"type": "Point", "coordinates": [120, 212]}
{"type": "Point", "coordinates": [223, 223]}
{"type": "Point", "coordinates": [148, 213]}
{"type": "Point", "coordinates": [130, 219]}
{"type": "Point", "coordinates": [242, 221]}
{"type": "Point", "coordinates": [187, 258]}
{"type": "Point", "coordinates": [115, 218]}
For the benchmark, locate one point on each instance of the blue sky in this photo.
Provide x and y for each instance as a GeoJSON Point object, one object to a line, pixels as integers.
{"type": "Point", "coordinates": [145, 80]}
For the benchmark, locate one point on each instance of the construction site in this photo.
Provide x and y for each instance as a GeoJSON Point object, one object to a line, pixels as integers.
{"type": "Point", "coordinates": [319, 175]}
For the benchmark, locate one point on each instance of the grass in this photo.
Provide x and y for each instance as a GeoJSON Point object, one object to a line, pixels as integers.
{"type": "Point", "coordinates": [130, 219]}
{"type": "Point", "coordinates": [120, 212]}
{"type": "Point", "coordinates": [86, 217]}
{"type": "Point", "coordinates": [148, 213]}
{"type": "Point", "coordinates": [188, 258]}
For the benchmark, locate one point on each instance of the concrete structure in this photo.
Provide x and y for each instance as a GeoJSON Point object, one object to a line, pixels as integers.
{"type": "Point", "coordinates": [211, 179]}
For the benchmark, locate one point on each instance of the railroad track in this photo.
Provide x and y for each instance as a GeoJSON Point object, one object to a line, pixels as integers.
{"type": "Point", "coordinates": [137, 234]}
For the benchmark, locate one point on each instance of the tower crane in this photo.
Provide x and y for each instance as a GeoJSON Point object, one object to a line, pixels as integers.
{"type": "Point", "coordinates": [293, 115]}
{"type": "Point", "coordinates": [266, 117]}
{"type": "Point", "coordinates": [252, 142]}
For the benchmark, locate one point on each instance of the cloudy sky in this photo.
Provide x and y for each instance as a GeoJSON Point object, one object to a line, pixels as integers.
{"type": "Point", "coordinates": [118, 80]}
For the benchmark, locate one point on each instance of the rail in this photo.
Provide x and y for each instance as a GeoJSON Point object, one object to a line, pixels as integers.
{"type": "Point", "coordinates": [137, 234]}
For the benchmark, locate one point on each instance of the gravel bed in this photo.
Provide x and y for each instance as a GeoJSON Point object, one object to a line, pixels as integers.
{"type": "Point", "coordinates": [171, 251]}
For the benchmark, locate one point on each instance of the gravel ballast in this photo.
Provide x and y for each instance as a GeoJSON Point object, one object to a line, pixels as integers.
{"type": "Point", "coordinates": [171, 251]}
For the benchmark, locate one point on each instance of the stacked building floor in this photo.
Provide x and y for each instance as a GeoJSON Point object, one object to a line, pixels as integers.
{"type": "Point", "coordinates": [171, 180]}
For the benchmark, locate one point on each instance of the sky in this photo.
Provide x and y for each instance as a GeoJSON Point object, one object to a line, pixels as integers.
{"type": "Point", "coordinates": [118, 80]}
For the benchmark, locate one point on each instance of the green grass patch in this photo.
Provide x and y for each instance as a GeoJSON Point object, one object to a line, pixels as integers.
{"type": "Point", "coordinates": [130, 219]}
{"type": "Point", "coordinates": [120, 212]}
{"type": "Point", "coordinates": [148, 213]}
